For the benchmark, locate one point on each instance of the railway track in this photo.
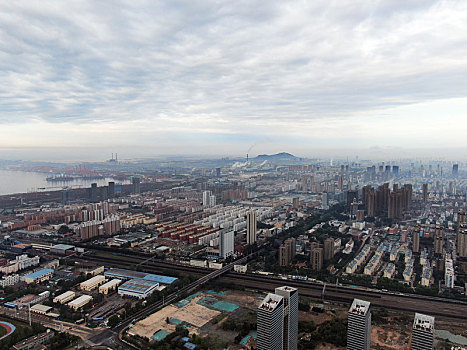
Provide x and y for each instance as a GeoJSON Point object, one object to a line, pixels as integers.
{"type": "Point", "coordinates": [439, 307]}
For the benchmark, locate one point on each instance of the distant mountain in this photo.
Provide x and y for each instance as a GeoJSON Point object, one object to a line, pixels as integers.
{"type": "Point", "coordinates": [275, 157]}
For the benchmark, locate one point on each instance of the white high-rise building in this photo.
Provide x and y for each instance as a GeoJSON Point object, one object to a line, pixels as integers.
{"type": "Point", "coordinates": [212, 201]}
{"type": "Point", "coordinates": [359, 326]}
{"type": "Point", "coordinates": [226, 244]}
{"type": "Point", "coordinates": [270, 323]}
{"type": "Point", "coordinates": [206, 198]}
{"type": "Point", "coordinates": [290, 329]}
{"type": "Point", "coordinates": [448, 273]}
{"type": "Point", "coordinates": [251, 227]}
{"type": "Point", "coordinates": [423, 332]}
{"type": "Point", "coordinates": [324, 201]}
{"type": "Point", "coordinates": [278, 320]}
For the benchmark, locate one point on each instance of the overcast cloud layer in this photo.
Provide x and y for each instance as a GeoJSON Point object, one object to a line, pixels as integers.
{"type": "Point", "coordinates": [214, 77]}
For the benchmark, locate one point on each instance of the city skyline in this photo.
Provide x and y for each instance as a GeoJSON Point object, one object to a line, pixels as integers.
{"type": "Point", "coordinates": [150, 79]}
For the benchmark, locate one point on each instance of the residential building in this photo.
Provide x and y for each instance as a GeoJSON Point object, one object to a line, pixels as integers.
{"type": "Point", "coordinates": [251, 227]}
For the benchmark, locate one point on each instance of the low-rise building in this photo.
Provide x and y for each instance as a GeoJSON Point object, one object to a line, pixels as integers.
{"type": "Point", "coordinates": [109, 286]}
{"type": "Point", "coordinates": [40, 309]}
{"type": "Point", "coordinates": [137, 288]}
{"type": "Point", "coordinates": [35, 341]}
{"type": "Point", "coordinates": [92, 283]}
{"type": "Point", "coordinates": [79, 302]}
{"type": "Point", "coordinates": [9, 280]}
{"type": "Point", "coordinates": [64, 297]}
{"type": "Point", "coordinates": [39, 276]}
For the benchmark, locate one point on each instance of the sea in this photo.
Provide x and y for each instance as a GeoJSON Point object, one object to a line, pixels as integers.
{"type": "Point", "coordinates": [12, 181]}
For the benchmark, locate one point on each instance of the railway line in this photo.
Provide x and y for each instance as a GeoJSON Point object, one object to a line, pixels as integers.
{"type": "Point", "coordinates": [436, 306]}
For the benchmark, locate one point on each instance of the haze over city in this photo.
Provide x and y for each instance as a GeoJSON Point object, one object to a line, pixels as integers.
{"type": "Point", "coordinates": [143, 78]}
{"type": "Point", "coordinates": [233, 175]}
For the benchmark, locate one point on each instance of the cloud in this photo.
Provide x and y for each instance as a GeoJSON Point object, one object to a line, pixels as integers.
{"type": "Point", "coordinates": [119, 72]}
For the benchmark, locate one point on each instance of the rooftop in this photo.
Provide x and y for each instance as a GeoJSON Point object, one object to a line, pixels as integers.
{"type": "Point", "coordinates": [424, 323]}
{"type": "Point", "coordinates": [360, 307]}
{"type": "Point", "coordinates": [271, 302]}
{"type": "Point", "coordinates": [40, 273]}
{"type": "Point", "coordinates": [63, 246]}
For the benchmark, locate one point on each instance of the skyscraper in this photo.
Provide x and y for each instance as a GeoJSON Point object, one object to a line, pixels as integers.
{"type": "Point", "coordinates": [423, 332]}
{"type": "Point", "coordinates": [290, 329]}
{"type": "Point", "coordinates": [278, 320]}
{"type": "Point", "coordinates": [270, 323]}
{"type": "Point", "coordinates": [359, 326]}
{"type": "Point", "coordinates": [455, 170]}
{"type": "Point", "coordinates": [251, 227]}
{"type": "Point", "coordinates": [460, 221]}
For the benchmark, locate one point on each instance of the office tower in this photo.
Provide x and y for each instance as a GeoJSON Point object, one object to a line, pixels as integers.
{"type": "Point", "coordinates": [395, 170]}
{"type": "Point", "coordinates": [423, 332]}
{"type": "Point", "coordinates": [317, 259]}
{"type": "Point", "coordinates": [425, 193]}
{"type": "Point", "coordinates": [218, 172]}
{"type": "Point", "coordinates": [111, 190]}
{"type": "Point", "coordinates": [290, 316]}
{"type": "Point", "coordinates": [455, 170]}
{"type": "Point", "coordinates": [295, 202]}
{"type": "Point", "coordinates": [448, 273]}
{"type": "Point", "coordinates": [328, 249]}
{"type": "Point", "coordinates": [206, 198]}
{"type": "Point", "coordinates": [226, 244]}
{"type": "Point", "coordinates": [135, 181]}
{"type": "Point", "coordinates": [251, 227]}
{"type": "Point", "coordinates": [416, 240]}
{"type": "Point", "coordinates": [270, 323]}
{"type": "Point", "coordinates": [359, 326]}
{"type": "Point", "coordinates": [462, 241]}
{"type": "Point", "coordinates": [439, 240]}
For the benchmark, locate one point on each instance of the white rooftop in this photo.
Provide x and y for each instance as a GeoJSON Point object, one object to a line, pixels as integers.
{"type": "Point", "coordinates": [271, 302]}
{"type": "Point", "coordinates": [359, 307]}
{"type": "Point", "coordinates": [424, 322]}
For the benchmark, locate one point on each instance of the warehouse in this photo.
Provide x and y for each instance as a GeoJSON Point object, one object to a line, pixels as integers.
{"type": "Point", "coordinates": [39, 276]}
{"type": "Point", "coordinates": [137, 288]}
{"type": "Point", "coordinates": [92, 283]}
{"type": "Point", "coordinates": [109, 286]}
{"type": "Point", "coordinates": [64, 297]}
{"type": "Point", "coordinates": [128, 274]}
{"type": "Point", "coordinates": [80, 302]}
{"type": "Point", "coordinates": [40, 309]}
{"type": "Point", "coordinates": [62, 249]}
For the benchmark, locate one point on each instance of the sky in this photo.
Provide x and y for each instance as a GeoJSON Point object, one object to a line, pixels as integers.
{"type": "Point", "coordinates": [82, 79]}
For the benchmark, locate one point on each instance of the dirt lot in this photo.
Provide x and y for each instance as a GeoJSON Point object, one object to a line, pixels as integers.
{"type": "Point", "coordinates": [191, 313]}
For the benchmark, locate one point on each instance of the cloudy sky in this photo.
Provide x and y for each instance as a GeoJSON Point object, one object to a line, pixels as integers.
{"type": "Point", "coordinates": [146, 78]}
